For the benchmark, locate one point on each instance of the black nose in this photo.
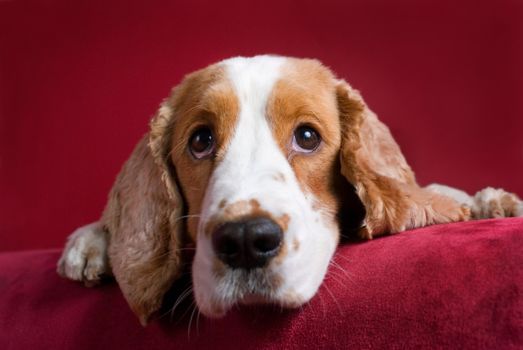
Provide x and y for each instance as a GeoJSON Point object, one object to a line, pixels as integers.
{"type": "Point", "coordinates": [247, 243]}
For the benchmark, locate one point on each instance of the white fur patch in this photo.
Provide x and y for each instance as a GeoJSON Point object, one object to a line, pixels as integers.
{"type": "Point", "coordinates": [460, 196]}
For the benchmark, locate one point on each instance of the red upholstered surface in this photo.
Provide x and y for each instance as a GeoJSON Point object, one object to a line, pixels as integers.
{"type": "Point", "coordinates": [79, 81]}
{"type": "Point", "coordinates": [447, 286]}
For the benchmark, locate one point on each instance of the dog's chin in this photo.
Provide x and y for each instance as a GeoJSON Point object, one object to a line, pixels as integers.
{"type": "Point", "coordinates": [245, 288]}
{"type": "Point", "coordinates": [289, 300]}
{"type": "Point", "coordinates": [219, 310]}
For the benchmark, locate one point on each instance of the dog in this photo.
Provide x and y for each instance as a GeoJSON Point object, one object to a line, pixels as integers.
{"type": "Point", "coordinates": [260, 162]}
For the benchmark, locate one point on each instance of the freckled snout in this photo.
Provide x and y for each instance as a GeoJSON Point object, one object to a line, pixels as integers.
{"type": "Point", "coordinates": [247, 243]}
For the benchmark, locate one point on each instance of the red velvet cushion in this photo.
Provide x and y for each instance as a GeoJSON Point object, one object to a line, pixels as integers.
{"type": "Point", "coordinates": [456, 286]}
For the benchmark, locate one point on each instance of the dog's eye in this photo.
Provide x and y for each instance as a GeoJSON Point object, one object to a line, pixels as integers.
{"type": "Point", "coordinates": [201, 143]}
{"type": "Point", "coordinates": [305, 139]}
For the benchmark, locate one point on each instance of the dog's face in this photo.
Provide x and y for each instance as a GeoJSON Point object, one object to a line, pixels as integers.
{"type": "Point", "coordinates": [255, 149]}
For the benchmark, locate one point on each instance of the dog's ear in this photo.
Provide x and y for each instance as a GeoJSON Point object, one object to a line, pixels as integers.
{"type": "Point", "coordinates": [372, 162]}
{"type": "Point", "coordinates": [142, 218]}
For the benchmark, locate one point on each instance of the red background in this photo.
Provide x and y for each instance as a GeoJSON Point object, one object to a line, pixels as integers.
{"type": "Point", "coordinates": [79, 81]}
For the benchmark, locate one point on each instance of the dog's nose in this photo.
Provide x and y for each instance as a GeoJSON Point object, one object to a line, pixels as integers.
{"type": "Point", "coordinates": [247, 243]}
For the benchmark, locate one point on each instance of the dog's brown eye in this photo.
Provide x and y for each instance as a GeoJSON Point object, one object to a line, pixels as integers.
{"type": "Point", "coordinates": [306, 139]}
{"type": "Point", "coordinates": [201, 143]}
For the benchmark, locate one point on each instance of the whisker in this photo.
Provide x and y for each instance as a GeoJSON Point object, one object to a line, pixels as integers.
{"type": "Point", "coordinates": [340, 256]}
{"type": "Point", "coordinates": [168, 252]}
{"type": "Point", "coordinates": [322, 305]}
{"type": "Point", "coordinates": [164, 255]}
{"type": "Point", "coordinates": [180, 299]}
{"type": "Point", "coordinates": [187, 216]}
{"type": "Point", "coordinates": [184, 295]}
{"type": "Point", "coordinates": [337, 278]}
{"type": "Point", "coordinates": [190, 320]}
{"type": "Point", "coordinates": [183, 249]}
{"type": "Point", "coordinates": [186, 311]}
{"type": "Point", "coordinates": [340, 268]}
{"type": "Point", "coordinates": [348, 277]}
{"type": "Point", "coordinates": [334, 299]}
{"type": "Point", "coordinates": [198, 322]}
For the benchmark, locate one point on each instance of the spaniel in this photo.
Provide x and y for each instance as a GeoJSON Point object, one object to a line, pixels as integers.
{"type": "Point", "coordinates": [260, 163]}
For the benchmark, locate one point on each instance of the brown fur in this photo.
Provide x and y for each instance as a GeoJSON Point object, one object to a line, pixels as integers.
{"type": "Point", "coordinates": [372, 161]}
{"type": "Point", "coordinates": [305, 95]}
{"type": "Point", "coordinates": [295, 244]}
{"type": "Point", "coordinates": [144, 236]}
{"type": "Point", "coordinates": [205, 98]}
{"type": "Point", "coordinates": [144, 208]}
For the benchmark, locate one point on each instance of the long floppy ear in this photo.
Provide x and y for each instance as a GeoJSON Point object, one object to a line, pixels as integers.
{"type": "Point", "coordinates": [141, 217]}
{"type": "Point", "coordinates": [372, 161]}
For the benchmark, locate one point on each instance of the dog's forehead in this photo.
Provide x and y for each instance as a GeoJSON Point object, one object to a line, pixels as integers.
{"type": "Point", "coordinates": [254, 79]}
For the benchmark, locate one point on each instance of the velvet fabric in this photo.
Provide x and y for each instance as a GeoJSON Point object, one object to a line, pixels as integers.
{"type": "Point", "coordinates": [447, 286]}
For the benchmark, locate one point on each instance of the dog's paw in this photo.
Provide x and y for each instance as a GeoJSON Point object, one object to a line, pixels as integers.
{"type": "Point", "coordinates": [496, 203]}
{"type": "Point", "coordinates": [85, 255]}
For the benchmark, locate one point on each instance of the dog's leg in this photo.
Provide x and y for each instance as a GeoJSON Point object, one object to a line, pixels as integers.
{"type": "Point", "coordinates": [85, 255]}
{"type": "Point", "coordinates": [485, 204]}
{"type": "Point", "coordinates": [411, 207]}
{"type": "Point", "coordinates": [430, 208]}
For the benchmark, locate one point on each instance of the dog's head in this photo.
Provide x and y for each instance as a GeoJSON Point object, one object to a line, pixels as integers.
{"type": "Point", "coordinates": [254, 154]}
{"type": "Point", "coordinates": [255, 147]}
